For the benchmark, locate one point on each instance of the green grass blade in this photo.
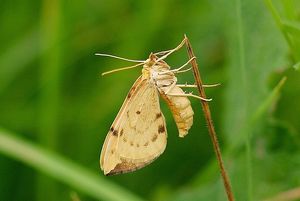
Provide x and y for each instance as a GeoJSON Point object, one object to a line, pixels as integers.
{"type": "Point", "coordinates": [278, 21]}
{"type": "Point", "coordinates": [292, 27]}
{"type": "Point", "coordinates": [248, 153]}
{"type": "Point", "coordinates": [15, 58]}
{"type": "Point", "coordinates": [297, 66]}
{"type": "Point", "coordinates": [289, 7]}
{"type": "Point", "coordinates": [211, 169]}
{"type": "Point", "coordinates": [62, 169]}
{"type": "Point", "coordinates": [265, 105]}
{"type": "Point", "coordinates": [50, 78]}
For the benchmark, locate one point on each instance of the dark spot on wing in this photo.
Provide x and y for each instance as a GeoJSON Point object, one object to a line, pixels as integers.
{"type": "Point", "coordinates": [124, 139]}
{"type": "Point", "coordinates": [137, 145]}
{"type": "Point", "coordinates": [131, 91]}
{"type": "Point", "coordinates": [138, 112]}
{"type": "Point", "coordinates": [154, 138]}
{"type": "Point", "coordinates": [131, 143]}
{"type": "Point", "coordinates": [112, 151]}
{"type": "Point", "coordinates": [115, 133]}
{"type": "Point", "coordinates": [121, 133]}
{"type": "Point", "coordinates": [112, 129]}
{"type": "Point", "coordinates": [146, 144]}
{"type": "Point", "coordinates": [158, 115]}
{"type": "Point", "coordinates": [161, 129]}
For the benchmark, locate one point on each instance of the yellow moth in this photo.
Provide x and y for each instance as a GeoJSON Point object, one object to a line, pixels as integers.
{"type": "Point", "coordinates": [138, 134]}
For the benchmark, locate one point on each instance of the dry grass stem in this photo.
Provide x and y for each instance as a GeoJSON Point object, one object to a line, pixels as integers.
{"type": "Point", "coordinates": [209, 122]}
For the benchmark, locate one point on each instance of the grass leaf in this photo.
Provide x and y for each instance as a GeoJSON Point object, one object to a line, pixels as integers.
{"type": "Point", "coordinates": [62, 169]}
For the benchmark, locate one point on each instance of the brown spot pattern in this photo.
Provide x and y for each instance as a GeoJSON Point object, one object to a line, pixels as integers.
{"type": "Point", "coordinates": [158, 115]}
{"type": "Point", "coordinates": [130, 92]}
{"type": "Point", "coordinates": [121, 133]}
{"type": "Point", "coordinates": [115, 133]}
{"type": "Point", "coordinates": [161, 129]}
{"type": "Point", "coordinates": [154, 138]}
{"type": "Point", "coordinates": [131, 143]}
{"type": "Point", "coordinates": [112, 129]}
{"type": "Point", "coordinates": [146, 144]}
{"type": "Point", "coordinates": [138, 112]}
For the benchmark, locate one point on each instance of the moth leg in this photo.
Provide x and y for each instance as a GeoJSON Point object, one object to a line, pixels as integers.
{"type": "Point", "coordinates": [180, 71]}
{"type": "Point", "coordinates": [177, 70]}
{"type": "Point", "coordinates": [195, 86]}
{"type": "Point", "coordinates": [190, 95]}
{"type": "Point", "coordinates": [168, 52]}
{"type": "Point", "coordinates": [161, 53]}
{"type": "Point", "coordinates": [186, 85]}
{"type": "Point", "coordinates": [170, 87]}
{"type": "Point", "coordinates": [183, 71]}
{"type": "Point", "coordinates": [211, 85]}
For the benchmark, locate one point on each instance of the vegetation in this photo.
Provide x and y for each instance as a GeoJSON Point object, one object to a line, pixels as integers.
{"type": "Point", "coordinates": [55, 108]}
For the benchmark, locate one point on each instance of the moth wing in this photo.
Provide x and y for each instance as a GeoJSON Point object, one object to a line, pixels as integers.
{"type": "Point", "coordinates": [138, 134]}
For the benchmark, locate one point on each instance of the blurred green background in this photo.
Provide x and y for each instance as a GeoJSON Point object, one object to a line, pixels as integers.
{"type": "Point", "coordinates": [56, 109]}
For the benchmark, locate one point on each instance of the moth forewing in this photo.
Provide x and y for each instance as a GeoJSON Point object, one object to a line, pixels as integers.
{"type": "Point", "coordinates": [138, 134]}
{"type": "Point", "coordinates": [109, 158]}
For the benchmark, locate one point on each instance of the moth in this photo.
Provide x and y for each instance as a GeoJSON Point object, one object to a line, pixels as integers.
{"type": "Point", "coordinates": [138, 134]}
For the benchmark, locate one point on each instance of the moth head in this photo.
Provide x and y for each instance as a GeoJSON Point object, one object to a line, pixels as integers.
{"type": "Point", "coordinates": [151, 60]}
{"type": "Point", "coordinates": [155, 62]}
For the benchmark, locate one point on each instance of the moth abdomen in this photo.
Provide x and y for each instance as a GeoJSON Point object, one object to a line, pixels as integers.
{"type": "Point", "coordinates": [181, 109]}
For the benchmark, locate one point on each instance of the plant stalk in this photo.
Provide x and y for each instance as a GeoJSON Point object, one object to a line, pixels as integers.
{"type": "Point", "coordinates": [208, 118]}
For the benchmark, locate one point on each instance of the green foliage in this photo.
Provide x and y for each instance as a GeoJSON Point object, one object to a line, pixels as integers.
{"type": "Point", "coordinates": [62, 169]}
{"type": "Point", "coordinates": [56, 109]}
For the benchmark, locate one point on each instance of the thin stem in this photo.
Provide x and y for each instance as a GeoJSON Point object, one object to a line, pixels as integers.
{"type": "Point", "coordinates": [209, 122]}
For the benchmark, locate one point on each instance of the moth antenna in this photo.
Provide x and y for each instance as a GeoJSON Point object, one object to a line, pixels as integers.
{"type": "Point", "coordinates": [120, 69]}
{"type": "Point", "coordinates": [121, 58]}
